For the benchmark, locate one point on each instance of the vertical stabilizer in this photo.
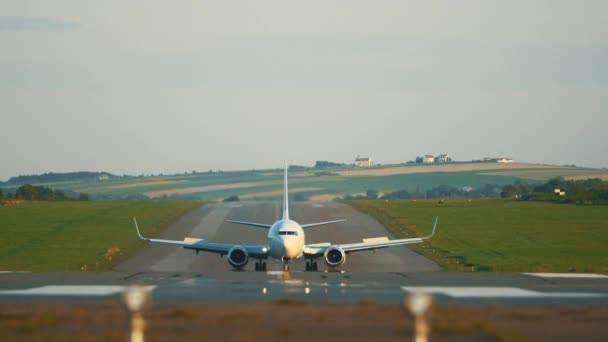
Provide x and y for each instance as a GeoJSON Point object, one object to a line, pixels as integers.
{"type": "Point", "coordinates": [285, 197]}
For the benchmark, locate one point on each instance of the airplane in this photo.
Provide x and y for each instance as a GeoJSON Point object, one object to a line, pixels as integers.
{"type": "Point", "coordinates": [286, 242]}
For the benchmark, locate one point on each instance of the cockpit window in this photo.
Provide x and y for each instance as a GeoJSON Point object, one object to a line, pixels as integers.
{"type": "Point", "coordinates": [288, 233]}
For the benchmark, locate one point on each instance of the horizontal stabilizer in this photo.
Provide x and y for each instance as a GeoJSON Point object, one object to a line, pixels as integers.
{"type": "Point", "coordinates": [375, 240]}
{"type": "Point", "coordinates": [192, 240]}
{"type": "Point", "coordinates": [320, 223]}
{"type": "Point", "coordinates": [253, 224]}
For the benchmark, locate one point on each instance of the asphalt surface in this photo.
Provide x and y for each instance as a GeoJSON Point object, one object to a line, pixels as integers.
{"type": "Point", "coordinates": [176, 275]}
{"type": "Point", "coordinates": [208, 223]}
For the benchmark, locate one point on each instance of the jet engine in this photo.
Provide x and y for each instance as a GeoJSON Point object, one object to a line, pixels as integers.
{"type": "Point", "coordinates": [238, 257]}
{"type": "Point", "coordinates": [335, 256]}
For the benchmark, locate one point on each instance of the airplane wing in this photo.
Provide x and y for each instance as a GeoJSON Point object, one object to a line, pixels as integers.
{"type": "Point", "coordinates": [253, 224]}
{"type": "Point", "coordinates": [320, 223]}
{"type": "Point", "coordinates": [316, 250]}
{"type": "Point", "coordinates": [206, 246]}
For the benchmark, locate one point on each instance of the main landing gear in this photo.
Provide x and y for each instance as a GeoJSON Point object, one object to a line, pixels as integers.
{"type": "Point", "coordinates": [260, 266]}
{"type": "Point", "coordinates": [311, 266]}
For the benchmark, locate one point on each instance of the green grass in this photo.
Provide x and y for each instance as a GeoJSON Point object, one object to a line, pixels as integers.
{"type": "Point", "coordinates": [501, 235]}
{"type": "Point", "coordinates": [65, 236]}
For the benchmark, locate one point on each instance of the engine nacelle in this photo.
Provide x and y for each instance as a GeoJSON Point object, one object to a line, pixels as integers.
{"type": "Point", "coordinates": [334, 257]}
{"type": "Point", "coordinates": [238, 257]}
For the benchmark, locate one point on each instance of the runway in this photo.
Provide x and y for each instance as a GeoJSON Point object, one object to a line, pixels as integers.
{"type": "Point", "coordinates": [208, 223]}
{"type": "Point", "coordinates": [175, 275]}
{"type": "Point", "coordinates": [319, 287]}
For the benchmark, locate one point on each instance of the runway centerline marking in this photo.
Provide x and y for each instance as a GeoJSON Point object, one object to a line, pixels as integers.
{"type": "Point", "coordinates": [70, 290]}
{"type": "Point", "coordinates": [495, 292]}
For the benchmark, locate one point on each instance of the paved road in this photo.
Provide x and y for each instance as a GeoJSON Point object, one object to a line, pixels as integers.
{"type": "Point", "coordinates": [208, 223]}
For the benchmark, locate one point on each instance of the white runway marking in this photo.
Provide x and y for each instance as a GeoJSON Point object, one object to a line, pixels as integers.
{"type": "Point", "coordinates": [495, 292]}
{"type": "Point", "coordinates": [568, 275]}
{"type": "Point", "coordinates": [70, 290]}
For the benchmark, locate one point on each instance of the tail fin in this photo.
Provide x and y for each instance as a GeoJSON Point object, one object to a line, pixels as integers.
{"type": "Point", "coordinates": [285, 197]}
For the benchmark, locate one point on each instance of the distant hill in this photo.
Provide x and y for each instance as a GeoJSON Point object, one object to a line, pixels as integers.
{"type": "Point", "coordinates": [59, 177]}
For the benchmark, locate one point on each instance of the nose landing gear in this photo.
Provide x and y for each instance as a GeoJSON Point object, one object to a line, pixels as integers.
{"type": "Point", "coordinates": [286, 262]}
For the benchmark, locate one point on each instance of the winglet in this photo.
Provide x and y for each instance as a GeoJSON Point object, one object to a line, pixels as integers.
{"type": "Point", "coordinates": [137, 228]}
{"type": "Point", "coordinates": [433, 232]}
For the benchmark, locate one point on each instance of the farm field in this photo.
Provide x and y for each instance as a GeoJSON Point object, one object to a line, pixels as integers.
{"type": "Point", "coordinates": [501, 235]}
{"type": "Point", "coordinates": [318, 183]}
{"type": "Point", "coordinates": [66, 236]}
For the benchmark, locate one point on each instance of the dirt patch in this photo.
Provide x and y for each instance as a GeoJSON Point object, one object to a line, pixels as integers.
{"type": "Point", "coordinates": [299, 321]}
{"type": "Point", "coordinates": [440, 168]}
{"type": "Point", "coordinates": [276, 193]}
{"type": "Point", "coordinates": [145, 184]}
{"type": "Point", "coordinates": [196, 189]}
{"type": "Point", "coordinates": [325, 197]}
{"type": "Point", "coordinates": [603, 177]}
{"type": "Point", "coordinates": [567, 173]}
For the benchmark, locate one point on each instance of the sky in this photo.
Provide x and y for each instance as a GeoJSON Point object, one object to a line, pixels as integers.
{"type": "Point", "coordinates": [149, 87]}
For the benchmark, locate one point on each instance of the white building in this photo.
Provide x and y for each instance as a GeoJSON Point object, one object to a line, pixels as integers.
{"type": "Point", "coordinates": [443, 158]}
{"type": "Point", "coordinates": [504, 160]}
{"type": "Point", "coordinates": [364, 162]}
{"type": "Point", "coordinates": [428, 159]}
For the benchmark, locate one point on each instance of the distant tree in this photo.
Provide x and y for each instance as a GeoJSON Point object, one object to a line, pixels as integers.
{"type": "Point", "coordinates": [83, 197]}
{"type": "Point", "coordinates": [419, 160]}
{"type": "Point", "coordinates": [371, 194]}
{"type": "Point", "coordinates": [1, 194]}
{"type": "Point", "coordinates": [26, 192]}
{"type": "Point", "coordinates": [233, 198]}
{"type": "Point", "coordinates": [325, 163]}
{"type": "Point", "coordinates": [400, 194]}
{"type": "Point", "coordinates": [300, 198]}
{"type": "Point", "coordinates": [40, 193]}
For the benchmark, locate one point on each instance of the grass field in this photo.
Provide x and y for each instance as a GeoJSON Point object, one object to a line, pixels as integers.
{"type": "Point", "coordinates": [335, 181]}
{"type": "Point", "coordinates": [66, 236]}
{"type": "Point", "coordinates": [500, 235]}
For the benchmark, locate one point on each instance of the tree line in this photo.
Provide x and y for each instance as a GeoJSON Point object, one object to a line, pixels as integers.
{"type": "Point", "coordinates": [58, 177]}
{"type": "Point", "coordinates": [30, 192]}
{"type": "Point", "coordinates": [558, 189]}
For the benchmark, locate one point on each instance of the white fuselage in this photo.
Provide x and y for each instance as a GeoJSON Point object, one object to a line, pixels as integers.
{"type": "Point", "coordinates": [286, 240]}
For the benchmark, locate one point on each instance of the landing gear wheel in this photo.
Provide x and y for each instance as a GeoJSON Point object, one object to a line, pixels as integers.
{"type": "Point", "coordinates": [260, 266]}
{"type": "Point", "coordinates": [308, 267]}
{"type": "Point", "coordinates": [314, 267]}
{"type": "Point", "coordinates": [285, 267]}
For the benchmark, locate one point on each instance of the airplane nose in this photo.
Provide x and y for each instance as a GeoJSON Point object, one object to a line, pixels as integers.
{"type": "Point", "coordinates": [291, 250]}
{"type": "Point", "coordinates": [277, 248]}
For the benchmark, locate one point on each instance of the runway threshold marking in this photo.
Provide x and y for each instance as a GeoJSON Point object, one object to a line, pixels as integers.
{"type": "Point", "coordinates": [70, 290]}
{"type": "Point", "coordinates": [568, 275]}
{"type": "Point", "coordinates": [495, 292]}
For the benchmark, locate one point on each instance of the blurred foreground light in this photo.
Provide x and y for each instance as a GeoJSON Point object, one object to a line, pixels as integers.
{"type": "Point", "coordinates": [135, 297]}
{"type": "Point", "coordinates": [307, 290]}
{"type": "Point", "coordinates": [418, 304]}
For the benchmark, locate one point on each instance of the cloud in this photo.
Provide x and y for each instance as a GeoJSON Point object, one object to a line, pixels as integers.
{"type": "Point", "coordinates": [17, 23]}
